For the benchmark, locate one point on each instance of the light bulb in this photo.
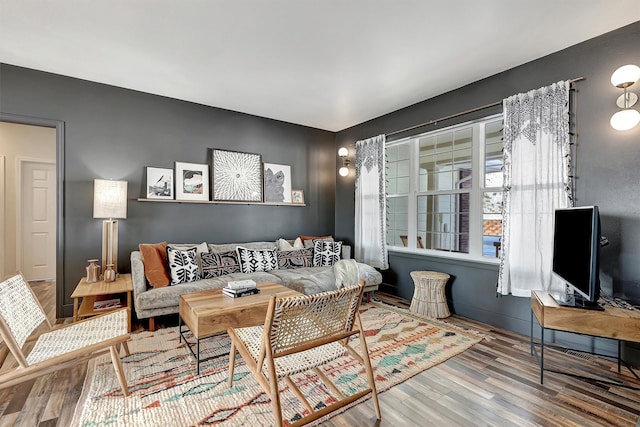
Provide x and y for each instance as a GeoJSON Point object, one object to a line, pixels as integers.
{"type": "Point", "coordinates": [343, 152]}
{"type": "Point", "coordinates": [625, 119]}
{"type": "Point", "coordinates": [625, 76]}
{"type": "Point", "coordinates": [343, 171]}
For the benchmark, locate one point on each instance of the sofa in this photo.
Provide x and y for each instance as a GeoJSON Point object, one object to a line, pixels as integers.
{"type": "Point", "coordinates": [151, 300]}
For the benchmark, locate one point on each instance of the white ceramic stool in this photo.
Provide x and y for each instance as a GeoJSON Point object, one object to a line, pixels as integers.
{"type": "Point", "coordinates": [428, 296]}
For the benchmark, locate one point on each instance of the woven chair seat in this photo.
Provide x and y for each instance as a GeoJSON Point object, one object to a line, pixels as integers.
{"type": "Point", "coordinates": [293, 363]}
{"type": "Point", "coordinates": [79, 335]}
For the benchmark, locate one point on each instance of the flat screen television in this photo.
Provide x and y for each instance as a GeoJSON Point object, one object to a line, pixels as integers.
{"type": "Point", "coordinates": [576, 254]}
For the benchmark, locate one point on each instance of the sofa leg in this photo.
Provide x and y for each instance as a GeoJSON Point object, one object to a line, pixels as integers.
{"type": "Point", "coordinates": [152, 324]}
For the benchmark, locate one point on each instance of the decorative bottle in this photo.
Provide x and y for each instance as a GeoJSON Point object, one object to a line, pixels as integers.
{"type": "Point", "coordinates": [109, 273]}
{"type": "Point", "coordinates": [93, 271]}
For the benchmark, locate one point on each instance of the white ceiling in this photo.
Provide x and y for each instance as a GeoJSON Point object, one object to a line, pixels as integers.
{"type": "Point", "coordinates": [329, 64]}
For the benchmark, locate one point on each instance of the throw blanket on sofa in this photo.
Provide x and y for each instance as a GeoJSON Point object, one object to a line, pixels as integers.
{"type": "Point", "coordinates": [346, 271]}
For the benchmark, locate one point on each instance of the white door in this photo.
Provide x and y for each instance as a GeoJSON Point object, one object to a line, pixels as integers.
{"type": "Point", "coordinates": [37, 220]}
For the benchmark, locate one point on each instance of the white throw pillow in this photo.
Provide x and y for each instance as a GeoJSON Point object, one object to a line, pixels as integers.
{"type": "Point", "coordinates": [255, 260]}
{"type": "Point", "coordinates": [284, 245]}
{"type": "Point", "coordinates": [326, 253]}
{"type": "Point", "coordinates": [183, 265]}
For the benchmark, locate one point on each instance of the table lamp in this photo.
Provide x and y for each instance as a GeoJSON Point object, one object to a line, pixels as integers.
{"type": "Point", "coordinates": [109, 203]}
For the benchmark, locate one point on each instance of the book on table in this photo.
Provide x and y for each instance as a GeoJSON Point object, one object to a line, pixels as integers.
{"type": "Point", "coordinates": [236, 293]}
{"type": "Point", "coordinates": [106, 304]}
{"type": "Point", "coordinates": [241, 284]}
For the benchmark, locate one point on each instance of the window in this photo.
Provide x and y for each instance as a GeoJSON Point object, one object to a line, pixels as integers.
{"type": "Point", "coordinates": [444, 190]}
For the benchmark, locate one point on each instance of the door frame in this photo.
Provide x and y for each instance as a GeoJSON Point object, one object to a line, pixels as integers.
{"type": "Point", "coordinates": [20, 161]}
{"type": "Point", "coordinates": [2, 218]}
{"type": "Point", "coordinates": [59, 126]}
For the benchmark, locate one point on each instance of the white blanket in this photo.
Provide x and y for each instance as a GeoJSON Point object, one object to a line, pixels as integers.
{"type": "Point", "coordinates": [346, 271]}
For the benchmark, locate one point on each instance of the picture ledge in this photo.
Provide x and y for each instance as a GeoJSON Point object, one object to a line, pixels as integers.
{"type": "Point", "coordinates": [218, 202]}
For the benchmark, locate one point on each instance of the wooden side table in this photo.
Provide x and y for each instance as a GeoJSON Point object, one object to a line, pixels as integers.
{"type": "Point", "coordinates": [428, 296]}
{"type": "Point", "coordinates": [101, 291]}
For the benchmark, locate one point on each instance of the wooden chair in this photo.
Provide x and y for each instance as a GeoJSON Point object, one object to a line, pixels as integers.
{"type": "Point", "coordinates": [58, 347]}
{"type": "Point", "coordinates": [300, 334]}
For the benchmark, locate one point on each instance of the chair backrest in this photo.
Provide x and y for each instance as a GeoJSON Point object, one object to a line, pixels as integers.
{"type": "Point", "coordinates": [301, 319]}
{"type": "Point", "coordinates": [20, 311]}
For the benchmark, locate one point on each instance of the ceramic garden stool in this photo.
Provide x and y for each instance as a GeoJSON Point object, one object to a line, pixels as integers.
{"type": "Point", "coordinates": [428, 296]}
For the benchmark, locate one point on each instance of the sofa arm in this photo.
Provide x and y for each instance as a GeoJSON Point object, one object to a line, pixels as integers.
{"type": "Point", "coordinates": [137, 275]}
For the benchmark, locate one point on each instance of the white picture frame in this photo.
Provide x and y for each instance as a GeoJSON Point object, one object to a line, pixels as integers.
{"type": "Point", "coordinates": [159, 183]}
{"type": "Point", "coordinates": [297, 197]}
{"type": "Point", "coordinates": [236, 176]}
{"type": "Point", "coordinates": [192, 181]}
{"type": "Point", "coordinates": [277, 183]}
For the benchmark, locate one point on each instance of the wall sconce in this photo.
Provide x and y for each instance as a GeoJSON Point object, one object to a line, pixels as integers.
{"type": "Point", "coordinates": [109, 202]}
{"type": "Point", "coordinates": [343, 153]}
{"type": "Point", "coordinates": [622, 78]}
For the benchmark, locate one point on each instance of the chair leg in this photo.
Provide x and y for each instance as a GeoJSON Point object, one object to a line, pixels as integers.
{"type": "Point", "coordinates": [232, 362]}
{"type": "Point", "coordinates": [117, 366]}
{"type": "Point", "coordinates": [369, 369]}
{"type": "Point", "coordinates": [126, 348]}
{"type": "Point", "coordinates": [152, 324]}
{"type": "Point", "coordinates": [275, 396]}
{"type": "Point", "coordinates": [4, 352]}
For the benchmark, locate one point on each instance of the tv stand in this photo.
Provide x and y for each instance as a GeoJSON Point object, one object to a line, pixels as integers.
{"type": "Point", "coordinates": [576, 301]}
{"type": "Point", "coordinates": [614, 321]}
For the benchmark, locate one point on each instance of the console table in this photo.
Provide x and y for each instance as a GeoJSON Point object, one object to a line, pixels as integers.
{"type": "Point", "coordinates": [615, 322]}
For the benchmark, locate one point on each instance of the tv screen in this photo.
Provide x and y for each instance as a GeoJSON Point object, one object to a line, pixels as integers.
{"type": "Point", "coordinates": [576, 251]}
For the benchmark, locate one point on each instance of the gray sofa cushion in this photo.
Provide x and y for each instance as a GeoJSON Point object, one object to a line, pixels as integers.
{"type": "Point", "coordinates": [169, 296]}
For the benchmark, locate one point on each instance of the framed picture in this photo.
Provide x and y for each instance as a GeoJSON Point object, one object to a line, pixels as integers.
{"type": "Point", "coordinates": [277, 183]}
{"type": "Point", "coordinates": [192, 181]}
{"type": "Point", "coordinates": [236, 176]}
{"type": "Point", "coordinates": [159, 183]}
{"type": "Point", "coordinates": [297, 196]}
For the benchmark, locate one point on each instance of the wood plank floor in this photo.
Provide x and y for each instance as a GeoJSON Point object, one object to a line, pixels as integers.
{"type": "Point", "coordinates": [496, 382]}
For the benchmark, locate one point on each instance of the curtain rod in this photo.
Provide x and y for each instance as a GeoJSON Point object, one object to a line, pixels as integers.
{"type": "Point", "coordinates": [462, 113]}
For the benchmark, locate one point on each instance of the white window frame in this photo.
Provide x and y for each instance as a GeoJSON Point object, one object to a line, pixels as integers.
{"type": "Point", "coordinates": [475, 194]}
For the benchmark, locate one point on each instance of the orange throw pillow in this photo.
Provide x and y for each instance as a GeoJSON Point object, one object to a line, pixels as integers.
{"type": "Point", "coordinates": [154, 257]}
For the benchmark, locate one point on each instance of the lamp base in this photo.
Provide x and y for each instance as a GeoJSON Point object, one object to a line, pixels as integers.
{"type": "Point", "coordinates": [109, 245]}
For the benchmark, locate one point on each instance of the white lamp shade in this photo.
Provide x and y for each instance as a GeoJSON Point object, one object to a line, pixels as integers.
{"type": "Point", "coordinates": [109, 199]}
{"type": "Point", "coordinates": [343, 171]}
{"type": "Point", "coordinates": [625, 76]}
{"type": "Point", "coordinates": [343, 152]}
{"type": "Point", "coordinates": [625, 119]}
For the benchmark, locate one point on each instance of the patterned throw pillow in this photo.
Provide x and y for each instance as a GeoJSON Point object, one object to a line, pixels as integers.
{"type": "Point", "coordinates": [326, 253]}
{"type": "Point", "coordinates": [218, 264]}
{"type": "Point", "coordinates": [307, 241]}
{"type": "Point", "coordinates": [255, 260]}
{"type": "Point", "coordinates": [295, 258]}
{"type": "Point", "coordinates": [183, 265]}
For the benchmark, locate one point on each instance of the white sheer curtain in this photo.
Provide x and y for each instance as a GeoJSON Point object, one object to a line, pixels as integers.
{"type": "Point", "coordinates": [371, 206]}
{"type": "Point", "coordinates": [537, 169]}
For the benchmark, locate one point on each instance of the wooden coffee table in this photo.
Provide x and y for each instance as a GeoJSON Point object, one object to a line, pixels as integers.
{"type": "Point", "coordinates": [208, 313]}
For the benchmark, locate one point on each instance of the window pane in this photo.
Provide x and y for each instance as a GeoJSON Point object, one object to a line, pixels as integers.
{"type": "Point", "coordinates": [427, 146]}
{"type": "Point", "coordinates": [398, 169]}
{"type": "Point", "coordinates": [403, 185]}
{"type": "Point", "coordinates": [462, 158]}
{"type": "Point", "coordinates": [463, 138]}
{"type": "Point", "coordinates": [443, 221]}
{"type": "Point", "coordinates": [491, 224]}
{"type": "Point", "coordinates": [493, 154]}
{"type": "Point", "coordinates": [397, 208]}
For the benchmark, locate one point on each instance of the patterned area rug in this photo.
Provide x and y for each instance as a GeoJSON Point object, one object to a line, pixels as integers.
{"type": "Point", "coordinates": [165, 389]}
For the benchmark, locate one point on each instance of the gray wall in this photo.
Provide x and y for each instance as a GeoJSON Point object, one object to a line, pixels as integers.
{"type": "Point", "coordinates": [607, 170]}
{"type": "Point", "coordinates": [114, 133]}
